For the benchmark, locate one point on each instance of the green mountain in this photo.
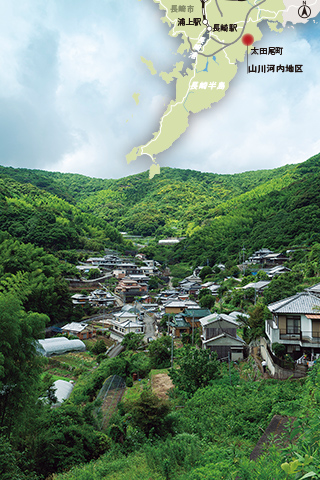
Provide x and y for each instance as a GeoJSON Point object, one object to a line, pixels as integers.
{"type": "Point", "coordinates": [36, 208]}
{"type": "Point", "coordinates": [178, 199]}
{"type": "Point", "coordinates": [219, 214]}
{"type": "Point", "coordinates": [281, 213]}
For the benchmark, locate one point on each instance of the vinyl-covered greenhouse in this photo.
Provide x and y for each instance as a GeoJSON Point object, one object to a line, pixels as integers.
{"type": "Point", "coordinates": [60, 345]}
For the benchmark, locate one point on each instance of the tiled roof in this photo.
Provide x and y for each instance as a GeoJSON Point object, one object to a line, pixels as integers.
{"type": "Point", "coordinates": [197, 312]}
{"type": "Point", "coordinates": [179, 322]}
{"type": "Point", "coordinates": [315, 288]}
{"type": "Point", "coordinates": [302, 303]}
{"type": "Point", "coordinates": [257, 285]}
{"type": "Point", "coordinates": [224, 335]}
{"type": "Point", "coordinates": [216, 317]}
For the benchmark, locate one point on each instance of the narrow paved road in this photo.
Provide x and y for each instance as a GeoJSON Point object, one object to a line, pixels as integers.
{"type": "Point", "coordinates": [115, 351]}
{"type": "Point", "coordinates": [149, 329]}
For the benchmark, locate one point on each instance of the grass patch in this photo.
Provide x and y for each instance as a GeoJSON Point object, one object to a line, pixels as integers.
{"type": "Point", "coordinates": [56, 377]}
{"type": "Point", "coordinates": [133, 467]}
{"type": "Point", "coordinates": [134, 392]}
{"type": "Point", "coordinates": [159, 370]}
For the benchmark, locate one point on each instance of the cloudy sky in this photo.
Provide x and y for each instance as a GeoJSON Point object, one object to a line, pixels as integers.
{"type": "Point", "coordinates": [68, 70]}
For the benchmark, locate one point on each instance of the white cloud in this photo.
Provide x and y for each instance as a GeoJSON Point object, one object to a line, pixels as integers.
{"type": "Point", "coordinates": [67, 80]}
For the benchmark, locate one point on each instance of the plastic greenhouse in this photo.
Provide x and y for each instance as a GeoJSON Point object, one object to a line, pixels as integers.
{"type": "Point", "coordinates": [63, 390]}
{"type": "Point", "coordinates": [60, 345]}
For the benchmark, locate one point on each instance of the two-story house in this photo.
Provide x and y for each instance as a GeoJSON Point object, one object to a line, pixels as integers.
{"type": "Point", "coordinates": [219, 334]}
{"type": "Point", "coordinates": [296, 324]}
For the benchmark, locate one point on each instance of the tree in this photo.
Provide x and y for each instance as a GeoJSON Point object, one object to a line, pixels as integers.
{"type": "Point", "coordinates": [197, 369]}
{"type": "Point", "coordinates": [205, 271]}
{"type": "Point", "coordinates": [99, 347]}
{"type": "Point", "coordinates": [153, 283]}
{"type": "Point", "coordinates": [93, 273]}
{"type": "Point", "coordinates": [132, 341]}
{"type": "Point", "coordinates": [203, 292]}
{"type": "Point", "coordinates": [20, 363]}
{"type": "Point", "coordinates": [160, 352]}
{"type": "Point", "coordinates": [34, 276]}
{"type": "Point", "coordinates": [279, 349]}
{"type": "Point", "coordinates": [8, 463]}
{"type": "Point", "coordinates": [207, 301]}
{"type": "Point", "coordinates": [283, 286]}
{"type": "Point", "coordinates": [148, 413]}
{"type": "Point", "coordinates": [66, 438]}
{"type": "Point", "coordinates": [255, 324]}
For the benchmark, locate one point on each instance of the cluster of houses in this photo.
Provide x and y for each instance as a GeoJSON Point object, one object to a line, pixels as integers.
{"type": "Point", "coordinates": [97, 298]}
{"type": "Point", "coordinates": [295, 321]}
{"type": "Point", "coordinates": [269, 261]}
{"type": "Point", "coordinates": [132, 278]}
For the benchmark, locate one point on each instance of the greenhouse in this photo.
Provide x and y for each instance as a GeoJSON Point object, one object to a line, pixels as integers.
{"type": "Point", "coordinates": [63, 390]}
{"type": "Point", "coordinates": [60, 345]}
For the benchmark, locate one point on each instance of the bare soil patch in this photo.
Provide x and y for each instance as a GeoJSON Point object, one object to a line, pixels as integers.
{"type": "Point", "coordinates": [161, 384]}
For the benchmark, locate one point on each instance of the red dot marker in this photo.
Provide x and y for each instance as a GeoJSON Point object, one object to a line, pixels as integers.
{"type": "Point", "coordinates": [247, 39]}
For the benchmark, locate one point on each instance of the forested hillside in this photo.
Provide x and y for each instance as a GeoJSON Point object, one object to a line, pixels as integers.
{"type": "Point", "coordinates": [219, 214]}
{"type": "Point", "coordinates": [279, 214]}
{"type": "Point", "coordinates": [29, 212]}
{"type": "Point", "coordinates": [174, 202]}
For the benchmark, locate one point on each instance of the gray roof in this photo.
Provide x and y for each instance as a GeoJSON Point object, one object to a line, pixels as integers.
{"type": "Point", "coordinates": [224, 335]}
{"type": "Point", "coordinates": [236, 314]}
{"type": "Point", "coordinates": [279, 268]}
{"type": "Point", "coordinates": [257, 285]}
{"type": "Point", "coordinates": [314, 289]}
{"type": "Point", "coordinates": [301, 303]}
{"type": "Point", "coordinates": [216, 317]}
{"type": "Point", "coordinates": [75, 327]}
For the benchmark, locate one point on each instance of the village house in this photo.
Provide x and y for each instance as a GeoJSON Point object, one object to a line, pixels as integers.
{"type": "Point", "coordinates": [79, 299]}
{"type": "Point", "coordinates": [179, 306]}
{"type": "Point", "coordinates": [190, 288]}
{"type": "Point", "coordinates": [178, 325]}
{"type": "Point", "coordinates": [257, 256]}
{"type": "Point", "coordinates": [194, 315]}
{"type": "Point", "coordinates": [187, 321]}
{"type": "Point", "coordinates": [126, 322]}
{"type": "Point", "coordinates": [128, 289]}
{"type": "Point", "coordinates": [274, 259]}
{"type": "Point", "coordinates": [295, 323]}
{"type": "Point", "coordinates": [82, 330]}
{"type": "Point", "coordinates": [219, 334]}
{"type": "Point", "coordinates": [259, 287]}
{"type": "Point", "coordinates": [278, 270]}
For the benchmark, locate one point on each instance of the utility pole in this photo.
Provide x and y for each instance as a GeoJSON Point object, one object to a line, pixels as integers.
{"type": "Point", "coordinates": [243, 265]}
{"type": "Point", "coordinates": [192, 328]}
{"type": "Point", "coordinates": [172, 348]}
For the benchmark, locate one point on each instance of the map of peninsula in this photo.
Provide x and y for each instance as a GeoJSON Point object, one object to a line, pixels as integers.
{"type": "Point", "coordinates": [211, 33]}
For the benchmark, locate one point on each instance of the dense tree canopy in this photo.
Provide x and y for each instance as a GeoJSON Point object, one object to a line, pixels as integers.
{"type": "Point", "coordinates": [196, 369]}
{"type": "Point", "coordinates": [20, 363]}
{"type": "Point", "coordinates": [34, 276]}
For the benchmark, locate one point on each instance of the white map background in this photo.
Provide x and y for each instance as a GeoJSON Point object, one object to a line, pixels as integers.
{"type": "Point", "coordinates": [68, 71]}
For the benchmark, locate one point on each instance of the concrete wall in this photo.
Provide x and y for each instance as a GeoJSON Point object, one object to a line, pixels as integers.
{"type": "Point", "coordinates": [275, 370]}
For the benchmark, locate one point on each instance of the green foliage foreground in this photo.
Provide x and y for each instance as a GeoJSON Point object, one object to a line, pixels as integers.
{"type": "Point", "coordinates": [215, 431]}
